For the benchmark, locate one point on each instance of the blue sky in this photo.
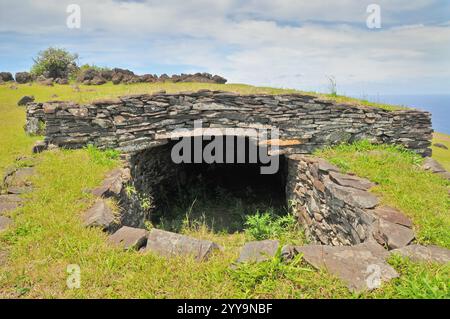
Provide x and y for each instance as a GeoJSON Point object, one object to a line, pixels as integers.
{"type": "Point", "coordinates": [284, 43]}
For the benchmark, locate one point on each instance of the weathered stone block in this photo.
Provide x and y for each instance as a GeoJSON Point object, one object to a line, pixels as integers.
{"type": "Point", "coordinates": [169, 244]}
{"type": "Point", "coordinates": [424, 253]}
{"type": "Point", "coordinates": [99, 215]}
{"type": "Point", "coordinates": [129, 238]}
{"type": "Point", "coordinates": [354, 265]}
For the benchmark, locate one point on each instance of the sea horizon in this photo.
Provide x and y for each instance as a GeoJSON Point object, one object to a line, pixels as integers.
{"type": "Point", "coordinates": [437, 104]}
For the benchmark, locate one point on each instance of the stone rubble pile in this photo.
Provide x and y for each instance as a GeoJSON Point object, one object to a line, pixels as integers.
{"type": "Point", "coordinates": [117, 76]}
{"type": "Point", "coordinates": [94, 76]}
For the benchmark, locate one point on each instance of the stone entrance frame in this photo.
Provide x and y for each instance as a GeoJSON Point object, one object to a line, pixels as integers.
{"type": "Point", "coordinates": [139, 126]}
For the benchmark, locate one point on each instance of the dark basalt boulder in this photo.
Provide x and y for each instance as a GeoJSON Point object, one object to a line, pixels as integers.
{"type": "Point", "coordinates": [6, 76]}
{"type": "Point", "coordinates": [23, 77]}
{"type": "Point", "coordinates": [25, 100]}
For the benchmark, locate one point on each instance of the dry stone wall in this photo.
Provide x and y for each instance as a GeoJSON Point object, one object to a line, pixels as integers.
{"type": "Point", "coordinates": [337, 209]}
{"type": "Point", "coordinates": [135, 123]}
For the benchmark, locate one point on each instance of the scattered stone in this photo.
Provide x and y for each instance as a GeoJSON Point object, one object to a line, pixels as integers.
{"type": "Point", "coordinates": [258, 251]}
{"type": "Point", "coordinates": [393, 235]}
{"type": "Point", "coordinates": [392, 215]}
{"type": "Point", "coordinates": [440, 145]}
{"type": "Point", "coordinates": [99, 215]}
{"type": "Point", "coordinates": [355, 265]}
{"type": "Point", "coordinates": [169, 244]}
{"type": "Point", "coordinates": [424, 253]}
{"type": "Point", "coordinates": [351, 181]}
{"type": "Point", "coordinates": [39, 147]}
{"type": "Point", "coordinates": [25, 100]}
{"type": "Point", "coordinates": [129, 238]}
{"type": "Point", "coordinates": [5, 222]}
{"type": "Point", "coordinates": [432, 165]}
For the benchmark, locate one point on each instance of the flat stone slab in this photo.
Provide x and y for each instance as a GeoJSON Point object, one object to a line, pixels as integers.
{"type": "Point", "coordinates": [424, 253]}
{"type": "Point", "coordinates": [19, 177]}
{"type": "Point", "coordinates": [99, 215]}
{"type": "Point", "coordinates": [326, 166]}
{"type": "Point", "coordinates": [393, 235]}
{"type": "Point", "coordinates": [362, 267]}
{"type": "Point", "coordinates": [19, 190]}
{"type": "Point", "coordinates": [170, 244]}
{"type": "Point", "coordinates": [17, 181]}
{"type": "Point", "coordinates": [351, 196]}
{"type": "Point", "coordinates": [351, 181]}
{"type": "Point", "coordinates": [9, 202]}
{"type": "Point", "coordinates": [112, 184]}
{"type": "Point", "coordinates": [432, 165]}
{"type": "Point", "coordinates": [258, 251]}
{"type": "Point", "coordinates": [5, 222]}
{"type": "Point", "coordinates": [440, 145]}
{"type": "Point", "coordinates": [445, 175]}
{"type": "Point", "coordinates": [129, 238]}
{"type": "Point", "coordinates": [392, 215]}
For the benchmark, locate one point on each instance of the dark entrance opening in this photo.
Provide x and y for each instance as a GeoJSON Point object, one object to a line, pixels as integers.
{"type": "Point", "coordinates": [216, 195]}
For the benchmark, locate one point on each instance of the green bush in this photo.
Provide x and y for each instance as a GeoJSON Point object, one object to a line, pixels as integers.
{"type": "Point", "coordinates": [54, 63]}
{"type": "Point", "coordinates": [267, 225]}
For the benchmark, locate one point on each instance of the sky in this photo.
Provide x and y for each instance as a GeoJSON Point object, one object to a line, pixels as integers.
{"type": "Point", "coordinates": [280, 43]}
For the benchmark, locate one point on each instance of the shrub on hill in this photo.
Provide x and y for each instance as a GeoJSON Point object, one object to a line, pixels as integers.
{"type": "Point", "coordinates": [54, 63]}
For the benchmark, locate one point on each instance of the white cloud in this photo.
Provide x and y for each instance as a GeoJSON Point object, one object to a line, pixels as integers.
{"type": "Point", "coordinates": [288, 43]}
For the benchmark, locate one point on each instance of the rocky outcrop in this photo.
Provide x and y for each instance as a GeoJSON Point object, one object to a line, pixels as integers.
{"type": "Point", "coordinates": [132, 123]}
{"type": "Point", "coordinates": [97, 77]}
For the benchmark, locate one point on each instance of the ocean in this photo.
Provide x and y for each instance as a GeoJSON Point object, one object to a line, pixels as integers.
{"type": "Point", "coordinates": [437, 105]}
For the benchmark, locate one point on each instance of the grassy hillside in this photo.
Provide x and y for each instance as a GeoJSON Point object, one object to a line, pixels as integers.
{"type": "Point", "coordinates": [48, 235]}
{"type": "Point", "coordinates": [440, 154]}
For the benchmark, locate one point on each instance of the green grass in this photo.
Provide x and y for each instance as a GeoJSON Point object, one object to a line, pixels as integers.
{"type": "Point", "coordinates": [421, 195]}
{"type": "Point", "coordinates": [48, 236]}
